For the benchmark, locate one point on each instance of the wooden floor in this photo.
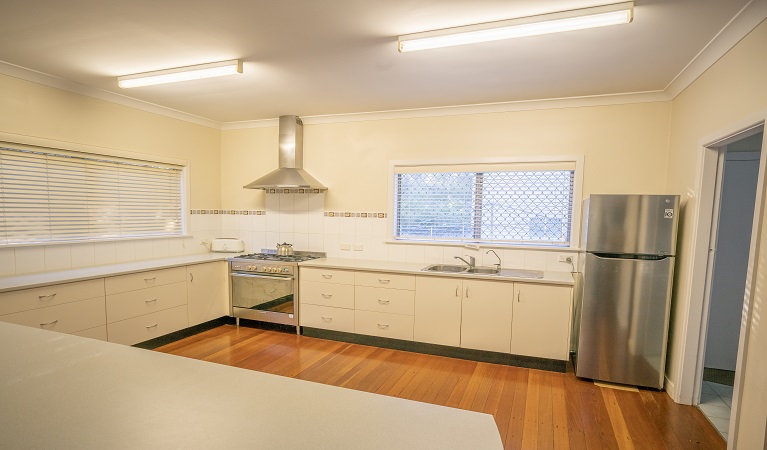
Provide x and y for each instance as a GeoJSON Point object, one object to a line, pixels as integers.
{"type": "Point", "coordinates": [533, 409]}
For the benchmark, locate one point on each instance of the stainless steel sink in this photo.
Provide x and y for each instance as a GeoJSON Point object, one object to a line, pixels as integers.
{"type": "Point", "coordinates": [518, 273]}
{"type": "Point", "coordinates": [483, 270]}
{"type": "Point", "coordinates": [450, 268]}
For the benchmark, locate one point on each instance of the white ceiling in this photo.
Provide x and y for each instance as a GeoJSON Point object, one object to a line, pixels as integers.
{"type": "Point", "coordinates": [310, 57]}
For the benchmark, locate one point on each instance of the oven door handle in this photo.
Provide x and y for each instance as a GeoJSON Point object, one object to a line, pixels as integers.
{"type": "Point", "coordinates": [273, 277]}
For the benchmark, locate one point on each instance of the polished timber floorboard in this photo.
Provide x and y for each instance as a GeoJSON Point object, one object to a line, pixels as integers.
{"type": "Point", "coordinates": [533, 409]}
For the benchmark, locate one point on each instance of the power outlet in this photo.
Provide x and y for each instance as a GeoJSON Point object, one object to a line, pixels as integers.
{"type": "Point", "coordinates": [566, 258]}
{"type": "Point", "coordinates": [357, 247]}
{"type": "Point", "coordinates": [346, 247]}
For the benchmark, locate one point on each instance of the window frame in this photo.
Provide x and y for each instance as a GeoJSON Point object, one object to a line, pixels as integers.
{"type": "Point", "coordinates": [52, 145]}
{"type": "Point", "coordinates": [459, 163]}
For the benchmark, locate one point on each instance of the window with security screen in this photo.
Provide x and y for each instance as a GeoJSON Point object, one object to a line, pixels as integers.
{"type": "Point", "coordinates": [530, 204]}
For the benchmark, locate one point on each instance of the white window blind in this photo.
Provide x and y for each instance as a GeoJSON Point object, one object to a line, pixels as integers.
{"type": "Point", "coordinates": [61, 196]}
{"type": "Point", "coordinates": [511, 204]}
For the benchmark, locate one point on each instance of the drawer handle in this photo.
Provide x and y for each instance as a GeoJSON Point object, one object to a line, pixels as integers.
{"type": "Point", "coordinates": [382, 281]}
{"type": "Point", "coordinates": [46, 297]}
{"type": "Point", "coordinates": [383, 302]}
{"type": "Point", "coordinates": [327, 319]}
{"type": "Point", "coordinates": [383, 326]}
{"type": "Point", "coordinates": [53, 322]}
{"type": "Point", "coordinates": [149, 280]}
{"type": "Point", "coordinates": [151, 326]}
{"type": "Point", "coordinates": [150, 301]}
{"type": "Point", "coordinates": [327, 277]}
{"type": "Point", "coordinates": [326, 295]}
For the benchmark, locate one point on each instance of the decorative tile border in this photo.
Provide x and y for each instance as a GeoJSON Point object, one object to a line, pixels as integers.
{"type": "Point", "coordinates": [232, 212]}
{"type": "Point", "coordinates": [371, 215]}
{"type": "Point", "coordinates": [293, 191]}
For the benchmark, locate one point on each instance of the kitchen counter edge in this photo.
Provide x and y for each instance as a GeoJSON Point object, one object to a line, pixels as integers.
{"type": "Point", "coordinates": [549, 277]}
{"type": "Point", "coordinates": [39, 279]}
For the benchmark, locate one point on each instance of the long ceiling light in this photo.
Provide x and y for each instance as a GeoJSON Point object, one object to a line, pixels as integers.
{"type": "Point", "coordinates": [598, 16]}
{"type": "Point", "coordinates": [209, 70]}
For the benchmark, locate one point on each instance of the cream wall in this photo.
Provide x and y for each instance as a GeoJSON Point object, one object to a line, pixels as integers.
{"type": "Point", "coordinates": [730, 93]}
{"type": "Point", "coordinates": [40, 111]}
{"type": "Point", "coordinates": [624, 148]}
{"type": "Point", "coordinates": [31, 111]}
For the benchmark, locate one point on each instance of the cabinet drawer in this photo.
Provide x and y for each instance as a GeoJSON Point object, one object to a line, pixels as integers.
{"type": "Point", "coordinates": [386, 280]}
{"type": "Point", "coordinates": [99, 333]}
{"type": "Point", "coordinates": [393, 301]}
{"type": "Point", "coordinates": [327, 275]}
{"type": "Point", "coordinates": [325, 317]}
{"type": "Point", "coordinates": [144, 301]}
{"type": "Point", "coordinates": [327, 294]}
{"type": "Point", "coordinates": [141, 280]}
{"type": "Point", "coordinates": [66, 318]}
{"type": "Point", "coordinates": [26, 299]}
{"type": "Point", "coordinates": [149, 326]}
{"type": "Point", "coordinates": [394, 326]}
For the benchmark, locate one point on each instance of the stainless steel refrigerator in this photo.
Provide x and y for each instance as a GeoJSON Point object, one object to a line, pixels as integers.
{"type": "Point", "coordinates": [627, 272]}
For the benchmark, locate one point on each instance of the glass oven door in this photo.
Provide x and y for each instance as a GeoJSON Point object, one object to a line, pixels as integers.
{"type": "Point", "coordinates": [263, 292]}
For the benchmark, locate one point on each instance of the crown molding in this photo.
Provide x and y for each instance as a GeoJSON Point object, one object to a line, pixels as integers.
{"type": "Point", "coordinates": [748, 18]}
{"type": "Point", "coordinates": [34, 76]}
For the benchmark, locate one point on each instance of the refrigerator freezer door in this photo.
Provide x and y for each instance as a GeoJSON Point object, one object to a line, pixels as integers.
{"type": "Point", "coordinates": [632, 224]}
{"type": "Point", "coordinates": [624, 320]}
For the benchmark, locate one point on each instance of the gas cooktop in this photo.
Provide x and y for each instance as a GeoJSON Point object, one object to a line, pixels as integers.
{"type": "Point", "coordinates": [296, 257]}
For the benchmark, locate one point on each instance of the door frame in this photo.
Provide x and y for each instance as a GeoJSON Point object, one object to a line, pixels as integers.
{"type": "Point", "coordinates": [689, 378]}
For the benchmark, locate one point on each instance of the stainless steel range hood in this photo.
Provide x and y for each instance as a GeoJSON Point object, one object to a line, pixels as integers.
{"type": "Point", "coordinates": [290, 173]}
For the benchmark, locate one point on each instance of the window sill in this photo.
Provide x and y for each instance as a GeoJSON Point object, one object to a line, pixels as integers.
{"type": "Point", "coordinates": [92, 241]}
{"type": "Point", "coordinates": [486, 245]}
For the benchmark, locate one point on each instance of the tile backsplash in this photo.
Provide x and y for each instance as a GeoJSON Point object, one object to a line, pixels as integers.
{"type": "Point", "coordinates": [296, 218]}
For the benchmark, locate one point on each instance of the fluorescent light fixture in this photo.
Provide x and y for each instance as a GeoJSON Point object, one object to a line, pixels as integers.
{"type": "Point", "coordinates": [209, 70]}
{"type": "Point", "coordinates": [579, 19]}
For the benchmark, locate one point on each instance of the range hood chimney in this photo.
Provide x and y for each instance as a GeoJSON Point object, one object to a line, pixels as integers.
{"type": "Point", "coordinates": [290, 173]}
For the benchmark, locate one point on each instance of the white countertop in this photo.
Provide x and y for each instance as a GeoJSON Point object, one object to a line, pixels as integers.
{"type": "Point", "coordinates": [63, 391]}
{"type": "Point", "coordinates": [31, 280]}
{"type": "Point", "coordinates": [565, 278]}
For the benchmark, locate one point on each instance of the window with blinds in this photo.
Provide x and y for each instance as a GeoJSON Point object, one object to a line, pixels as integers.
{"type": "Point", "coordinates": [511, 204]}
{"type": "Point", "coordinates": [62, 196]}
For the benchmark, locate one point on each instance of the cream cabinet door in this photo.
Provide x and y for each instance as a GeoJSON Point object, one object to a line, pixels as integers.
{"type": "Point", "coordinates": [438, 310]}
{"type": "Point", "coordinates": [542, 318]}
{"type": "Point", "coordinates": [207, 296]}
{"type": "Point", "coordinates": [486, 315]}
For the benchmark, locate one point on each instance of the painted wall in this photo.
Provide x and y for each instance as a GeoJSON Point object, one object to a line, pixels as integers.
{"type": "Point", "coordinates": [730, 93]}
{"type": "Point", "coordinates": [38, 111]}
{"type": "Point", "coordinates": [733, 242]}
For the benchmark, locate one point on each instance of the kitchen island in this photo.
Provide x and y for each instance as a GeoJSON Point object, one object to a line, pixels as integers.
{"type": "Point", "coordinates": [63, 391]}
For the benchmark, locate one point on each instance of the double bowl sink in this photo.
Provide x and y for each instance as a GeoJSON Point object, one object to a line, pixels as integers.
{"type": "Point", "coordinates": [466, 270]}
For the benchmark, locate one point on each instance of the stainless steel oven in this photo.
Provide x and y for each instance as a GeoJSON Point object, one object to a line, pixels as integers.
{"type": "Point", "coordinates": [264, 287]}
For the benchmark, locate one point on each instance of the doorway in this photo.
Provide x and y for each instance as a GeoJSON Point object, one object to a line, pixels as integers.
{"type": "Point", "coordinates": [734, 204]}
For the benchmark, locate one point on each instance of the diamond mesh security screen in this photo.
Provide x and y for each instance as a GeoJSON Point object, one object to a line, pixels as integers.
{"type": "Point", "coordinates": [526, 207]}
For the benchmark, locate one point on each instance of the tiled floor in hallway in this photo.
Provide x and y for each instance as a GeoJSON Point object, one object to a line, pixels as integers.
{"type": "Point", "coordinates": [716, 404]}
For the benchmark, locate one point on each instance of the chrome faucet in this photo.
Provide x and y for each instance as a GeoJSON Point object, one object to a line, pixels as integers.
{"type": "Point", "coordinates": [498, 264]}
{"type": "Point", "coordinates": [471, 262]}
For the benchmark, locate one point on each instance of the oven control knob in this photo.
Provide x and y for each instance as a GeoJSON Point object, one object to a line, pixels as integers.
{"type": "Point", "coordinates": [285, 270]}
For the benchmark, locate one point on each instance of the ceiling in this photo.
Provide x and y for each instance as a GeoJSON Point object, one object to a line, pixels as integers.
{"type": "Point", "coordinates": [311, 58]}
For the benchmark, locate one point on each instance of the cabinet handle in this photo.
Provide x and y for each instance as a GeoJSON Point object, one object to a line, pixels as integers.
{"type": "Point", "coordinates": [327, 277]}
{"type": "Point", "coordinates": [151, 326]}
{"type": "Point", "coordinates": [467, 292]}
{"type": "Point", "coordinates": [383, 326]}
{"type": "Point", "coordinates": [191, 277]}
{"type": "Point", "coordinates": [326, 295]}
{"type": "Point", "coordinates": [52, 322]}
{"type": "Point", "coordinates": [148, 280]}
{"type": "Point", "coordinates": [383, 302]}
{"type": "Point", "coordinates": [46, 297]}
{"type": "Point", "coordinates": [327, 319]}
{"type": "Point", "coordinates": [382, 281]}
{"type": "Point", "coordinates": [518, 296]}
{"type": "Point", "coordinates": [150, 301]}
{"type": "Point", "coordinates": [457, 292]}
